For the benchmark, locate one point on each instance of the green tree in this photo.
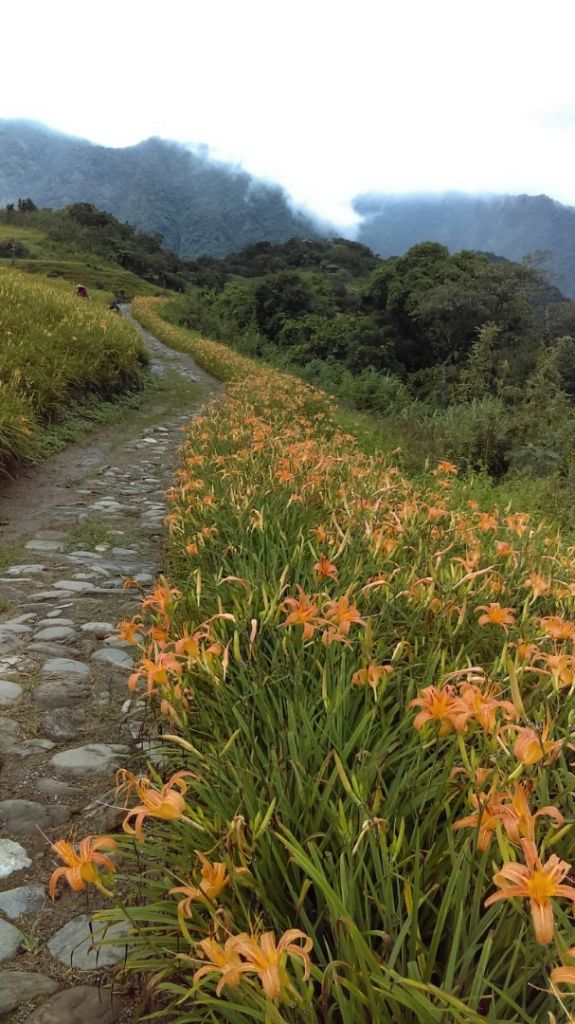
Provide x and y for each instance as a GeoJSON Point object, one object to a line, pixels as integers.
{"type": "Point", "coordinates": [286, 296]}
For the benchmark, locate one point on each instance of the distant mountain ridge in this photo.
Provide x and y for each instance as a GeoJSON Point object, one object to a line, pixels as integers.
{"type": "Point", "coordinates": [199, 205]}
{"type": "Point", "coordinates": [205, 207]}
{"type": "Point", "coordinates": [510, 226]}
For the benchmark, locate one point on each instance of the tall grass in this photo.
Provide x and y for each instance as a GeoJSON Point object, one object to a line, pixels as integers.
{"type": "Point", "coordinates": [56, 348]}
{"type": "Point", "coordinates": [314, 595]}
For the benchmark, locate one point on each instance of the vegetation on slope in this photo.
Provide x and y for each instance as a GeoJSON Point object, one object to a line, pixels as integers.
{"type": "Point", "coordinates": [82, 242]}
{"type": "Point", "coordinates": [458, 355]}
{"type": "Point", "coordinates": [56, 350]}
{"type": "Point", "coordinates": [363, 685]}
{"type": "Point", "coordinates": [512, 226]}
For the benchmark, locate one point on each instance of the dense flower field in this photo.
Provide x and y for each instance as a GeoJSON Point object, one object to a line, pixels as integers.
{"type": "Point", "coordinates": [55, 348]}
{"type": "Point", "coordinates": [364, 809]}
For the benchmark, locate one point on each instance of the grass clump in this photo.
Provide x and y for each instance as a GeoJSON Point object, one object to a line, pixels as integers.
{"type": "Point", "coordinates": [90, 532]}
{"type": "Point", "coordinates": [363, 684]}
{"type": "Point", "coordinates": [10, 554]}
{"type": "Point", "coordinates": [56, 350]}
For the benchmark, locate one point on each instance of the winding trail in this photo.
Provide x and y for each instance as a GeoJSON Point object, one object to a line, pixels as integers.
{"type": "Point", "coordinates": [72, 530]}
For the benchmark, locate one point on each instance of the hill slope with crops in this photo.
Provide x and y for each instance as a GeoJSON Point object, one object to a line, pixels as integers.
{"type": "Point", "coordinates": [56, 349]}
{"type": "Point", "coordinates": [363, 684]}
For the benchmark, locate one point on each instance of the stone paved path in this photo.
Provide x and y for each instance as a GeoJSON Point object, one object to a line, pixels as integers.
{"type": "Point", "coordinates": [65, 724]}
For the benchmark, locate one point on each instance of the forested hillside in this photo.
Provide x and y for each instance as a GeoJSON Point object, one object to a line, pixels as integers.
{"type": "Point", "coordinates": [197, 204]}
{"type": "Point", "coordinates": [461, 354]}
{"type": "Point", "coordinates": [511, 226]}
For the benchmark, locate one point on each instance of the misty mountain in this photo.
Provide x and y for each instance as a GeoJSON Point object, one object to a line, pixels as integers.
{"type": "Point", "coordinates": [204, 207]}
{"type": "Point", "coordinates": [511, 226]}
{"type": "Point", "coordinates": [199, 205]}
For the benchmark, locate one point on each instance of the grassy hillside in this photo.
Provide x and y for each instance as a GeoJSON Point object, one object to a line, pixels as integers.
{"type": "Point", "coordinates": [363, 684]}
{"type": "Point", "coordinates": [84, 242]}
{"type": "Point", "coordinates": [56, 350]}
{"type": "Point", "coordinates": [107, 279]}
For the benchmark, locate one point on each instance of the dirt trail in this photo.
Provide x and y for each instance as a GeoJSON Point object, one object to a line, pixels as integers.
{"type": "Point", "coordinates": [45, 489]}
{"type": "Point", "coordinates": [74, 527]}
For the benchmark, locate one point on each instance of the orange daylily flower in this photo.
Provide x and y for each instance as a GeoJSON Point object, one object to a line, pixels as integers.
{"type": "Point", "coordinates": [188, 646]}
{"type": "Point", "coordinates": [266, 958]}
{"type": "Point", "coordinates": [223, 960]}
{"type": "Point", "coordinates": [435, 512]}
{"type": "Point", "coordinates": [487, 522]}
{"type": "Point", "coordinates": [564, 975]}
{"type": "Point", "coordinates": [564, 590]}
{"type": "Point", "coordinates": [560, 667]}
{"type": "Point", "coordinates": [130, 630]}
{"type": "Point", "coordinates": [325, 568]}
{"type": "Point", "coordinates": [518, 522]}
{"type": "Point", "coordinates": [536, 882]}
{"type": "Point", "coordinates": [161, 598]}
{"type": "Point", "coordinates": [156, 671]}
{"type": "Point", "coordinates": [525, 819]}
{"type": "Point", "coordinates": [82, 865]}
{"type": "Point", "coordinates": [531, 747]}
{"type": "Point", "coordinates": [128, 582]}
{"type": "Point", "coordinates": [483, 706]}
{"type": "Point", "coordinates": [159, 635]}
{"type": "Point", "coordinates": [471, 561]}
{"type": "Point", "coordinates": [213, 881]}
{"type": "Point", "coordinates": [285, 476]}
{"type": "Point", "coordinates": [167, 803]}
{"type": "Point", "coordinates": [490, 810]}
{"type": "Point", "coordinates": [303, 613]}
{"type": "Point", "coordinates": [513, 812]}
{"type": "Point", "coordinates": [495, 585]}
{"type": "Point", "coordinates": [447, 467]}
{"type": "Point", "coordinates": [342, 613]}
{"type": "Point", "coordinates": [557, 628]}
{"type": "Point", "coordinates": [442, 706]}
{"type": "Point", "coordinates": [526, 650]}
{"type": "Point", "coordinates": [371, 675]}
{"type": "Point", "coordinates": [537, 583]}
{"type": "Point", "coordinates": [495, 615]}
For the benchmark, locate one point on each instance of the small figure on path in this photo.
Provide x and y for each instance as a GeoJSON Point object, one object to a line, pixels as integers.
{"type": "Point", "coordinates": [82, 291]}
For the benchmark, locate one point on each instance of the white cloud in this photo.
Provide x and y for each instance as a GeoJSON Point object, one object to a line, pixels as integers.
{"type": "Point", "coordinates": [329, 98]}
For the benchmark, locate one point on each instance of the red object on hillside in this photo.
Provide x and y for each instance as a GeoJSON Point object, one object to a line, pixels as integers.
{"type": "Point", "coordinates": [82, 291]}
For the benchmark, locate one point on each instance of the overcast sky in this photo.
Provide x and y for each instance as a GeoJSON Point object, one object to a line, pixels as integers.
{"type": "Point", "coordinates": [328, 98]}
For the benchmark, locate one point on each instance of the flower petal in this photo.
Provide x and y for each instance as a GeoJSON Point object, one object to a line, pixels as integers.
{"type": "Point", "coordinates": [543, 924]}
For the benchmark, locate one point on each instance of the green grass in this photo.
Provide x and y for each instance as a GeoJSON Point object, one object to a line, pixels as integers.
{"type": "Point", "coordinates": [58, 352]}
{"type": "Point", "coordinates": [10, 554]}
{"type": "Point", "coordinates": [81, 417]}
{"type": "Point", "coordinates": [95, 276]}
{"type": "Point", "coordinates": [87, 534]}
{"type": "Point", "coordinates": [32, 238]}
